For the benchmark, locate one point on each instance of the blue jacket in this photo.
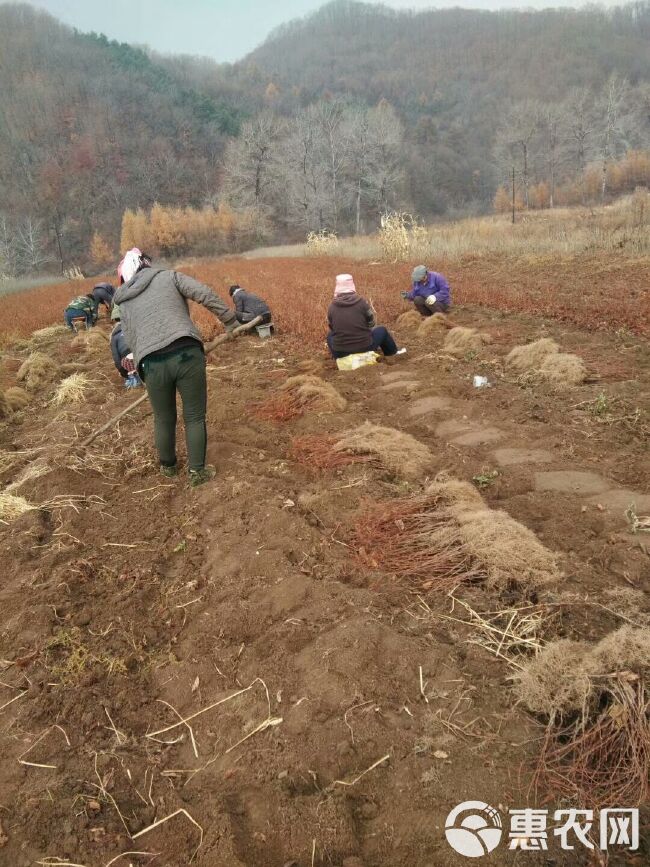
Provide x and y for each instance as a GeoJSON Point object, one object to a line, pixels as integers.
{"type": "Point", "coordinates": [435, 285]}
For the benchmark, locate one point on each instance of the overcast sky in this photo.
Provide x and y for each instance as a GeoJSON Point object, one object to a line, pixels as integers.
{"type": "Point", "coordinates": [222, 29]}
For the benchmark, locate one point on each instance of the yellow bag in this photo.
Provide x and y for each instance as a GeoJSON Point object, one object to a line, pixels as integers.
{"type": "Point", "coordinates": [357, 360]}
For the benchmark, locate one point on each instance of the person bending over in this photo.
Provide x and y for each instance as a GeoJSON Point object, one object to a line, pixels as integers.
{"type": "Point", "coordinates": [103, 294]}
{"type": "Point", "coordinates": [82, 307]}
{"type": "Point", "coordinates": [352, 323]}
{"type": "Point", "coordinates": [430, 292]}
{"type": "Point", "coordinates": [248, 306]}
{"type": "Point", "coordinates": [122, 355]}
{"type": "Point", "coordinates": [168, 353]}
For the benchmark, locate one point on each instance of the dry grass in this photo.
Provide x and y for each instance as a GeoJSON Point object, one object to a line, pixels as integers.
{"type": "Point", "coordinates": [37, 371]}
{"type": "Point", "coordinates": [531, 356]}
{"type": "Point", "coordinates": [95, 339]}
{"type": "Point", "coordinates": [17, 398]}
{"type": "Point", "coordinates": [563, 369]}
{"type": "Point", "coordinates": [401, 238]}
{"type": "Point", "coordinates": [323, 243]}
{"type": "Point", "coordinates": [315, 393]}
{"type": "Point", "coordinates": [49, 332]}
{"type": "Point", "coordinates": [448, 534]}
{"type": "Point", "coordinates": [399, 453]}
{"type": "Point", "coordinates": [72, 389]}
{"type": "Point", "coordinates": [460, 341]}
{"type": "Point", "coordinates": [13, 506]}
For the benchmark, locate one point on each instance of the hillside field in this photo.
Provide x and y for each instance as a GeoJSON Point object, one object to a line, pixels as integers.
{"type": "Point", "coordinates": [311, 660]}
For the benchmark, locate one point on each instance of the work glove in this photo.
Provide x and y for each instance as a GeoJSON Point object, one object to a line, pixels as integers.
{"type": "Point", "coordinates": [132, 381]}
{"type": "Point", "coordinates": [230, 327]}
{"type": "Point", "coordinates": [404, 295]}
{"type": "Point", "coordinates": [431, 300]}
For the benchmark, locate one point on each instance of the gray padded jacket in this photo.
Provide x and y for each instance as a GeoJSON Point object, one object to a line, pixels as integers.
{"type": "Point", "coordinates": [154, 309]}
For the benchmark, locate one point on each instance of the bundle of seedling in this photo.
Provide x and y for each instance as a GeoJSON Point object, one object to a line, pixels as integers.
{"type": "Point", "coordinates": [595, 702]}
{"type": "Point", "coordinates": [446, 536]}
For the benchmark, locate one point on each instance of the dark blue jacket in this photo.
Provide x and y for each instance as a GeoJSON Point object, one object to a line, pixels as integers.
{"type": "Point", "coordinates": [119, 348]}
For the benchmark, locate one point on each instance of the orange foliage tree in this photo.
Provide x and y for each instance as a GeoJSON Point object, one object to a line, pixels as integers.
{"type": "Point", "coordinates": [100, 252]}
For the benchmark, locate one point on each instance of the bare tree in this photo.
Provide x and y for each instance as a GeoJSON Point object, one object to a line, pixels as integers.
{"type": "Point", "coordinates": [611, 126]}
{"type": "Point", "coordinates": [8, 248]}
{"type": "Point", "coordinates": [553, 122]}
{"type": "Point", "coordinates": [251, 163]}
{"type": "Point", "coordinates": [515, 138]}
{"type": "Point", "coordinates": [331, 115]}
{"type": "Point", "coordinates": [581, 131]}
{"type": "Point", "coordinates": [31, 245]}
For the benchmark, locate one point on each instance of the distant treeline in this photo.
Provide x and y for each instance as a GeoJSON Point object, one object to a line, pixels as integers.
{"type": "Point", "coordinates": [335, 118]}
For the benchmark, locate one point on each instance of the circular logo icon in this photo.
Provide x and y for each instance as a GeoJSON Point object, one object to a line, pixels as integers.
{"type": "Point", "coordinates": [473, 829]}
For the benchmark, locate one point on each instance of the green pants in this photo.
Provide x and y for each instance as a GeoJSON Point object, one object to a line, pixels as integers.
{"type": "Point", "coordinates": [182, 371]}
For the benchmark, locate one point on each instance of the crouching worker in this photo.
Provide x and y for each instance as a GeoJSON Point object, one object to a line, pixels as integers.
{"type": "Point", "coordinates": [430, 292]}
{"type": "Point", "coordinates": [122, 355]}
{"type": "Point", "coordinates": [103, 294]}
{"type": "Point", "coordinates": [83, 308]}
{"type": "Point", "coordinates": [352, 323]}
{"type": "Point", "coordinates": [168, 353]}
{"type": "Point", "coordinates": [249, 305]}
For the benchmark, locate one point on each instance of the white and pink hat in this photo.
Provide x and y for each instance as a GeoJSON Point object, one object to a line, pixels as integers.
{"type": "Point", "coordinates": [129, 265]}
{"type": "Point", "coordinates": [344, 285]}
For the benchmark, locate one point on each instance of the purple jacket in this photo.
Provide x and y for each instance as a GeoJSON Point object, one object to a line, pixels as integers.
{"type": "Point", "coordinates": [435, 285]}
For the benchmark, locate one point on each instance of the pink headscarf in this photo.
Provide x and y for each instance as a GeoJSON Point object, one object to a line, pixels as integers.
{"type": "Point", "coordinates": [129, 265]}
{"type": "Point", "coordinates": [344, 285]}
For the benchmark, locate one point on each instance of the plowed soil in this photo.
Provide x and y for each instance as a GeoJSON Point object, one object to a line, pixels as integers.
{"type": "Point", "coordinates": [334, 715]}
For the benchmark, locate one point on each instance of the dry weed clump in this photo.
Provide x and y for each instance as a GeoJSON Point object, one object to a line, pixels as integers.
{"type": "Point", "coordinates": [459, 341]}
{"type": "Point", "coordinates": [319, 453]}
{"type": "Point", "coordinates": [400, 453]}
{"type": "Point", "coordinates": [563, 369]}
{"type": "Point", "coordinates": [315, 393]}
{"type": "Point", "coordinates": [48, 332]}
{"type": "Point", "coordinates": [13, 506]}
{"type": "Point", "coordinates": [432, 325]}
{"type": "Point", "coordinates": [72, 389]}
{"type": "Point", "coordinates": [448, 535]}
{"type": "Point", "coordinates": [37, 370]}
{"type": "Point", "coordinates": [409, 319]}
{"type": "Point", "coordinates": [597, 744]}
{"type": "Point", "coordinates": [16, 397]}
{"type": "Point", "coordinates": [531, 355]}
{"type": "Point", "coordinates": [401, 237]}
{"type": "Point", "coordinates": [322, 243]}
{"type": "Point", "coordinates": [89, 340]}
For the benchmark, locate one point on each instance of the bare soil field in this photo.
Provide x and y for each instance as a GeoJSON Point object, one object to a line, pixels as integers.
{"type": "Point", "coordinates": [236, 675]}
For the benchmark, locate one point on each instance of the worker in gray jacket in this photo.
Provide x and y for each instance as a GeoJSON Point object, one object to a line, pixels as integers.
{"type": "Point", "coordinates": [248, 306]}
{"type": "Point", "coordinates": [168, 352]}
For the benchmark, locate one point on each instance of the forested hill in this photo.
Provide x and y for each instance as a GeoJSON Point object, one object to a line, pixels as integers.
{"type": "Point", "coordinates": [89, 127]}
{"type": "Point", "coordinates": [454, 75]}
{"type": "Point", "coordinates": [428, 60]}
{"type": "Point", "coordinates": [333, 118]}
